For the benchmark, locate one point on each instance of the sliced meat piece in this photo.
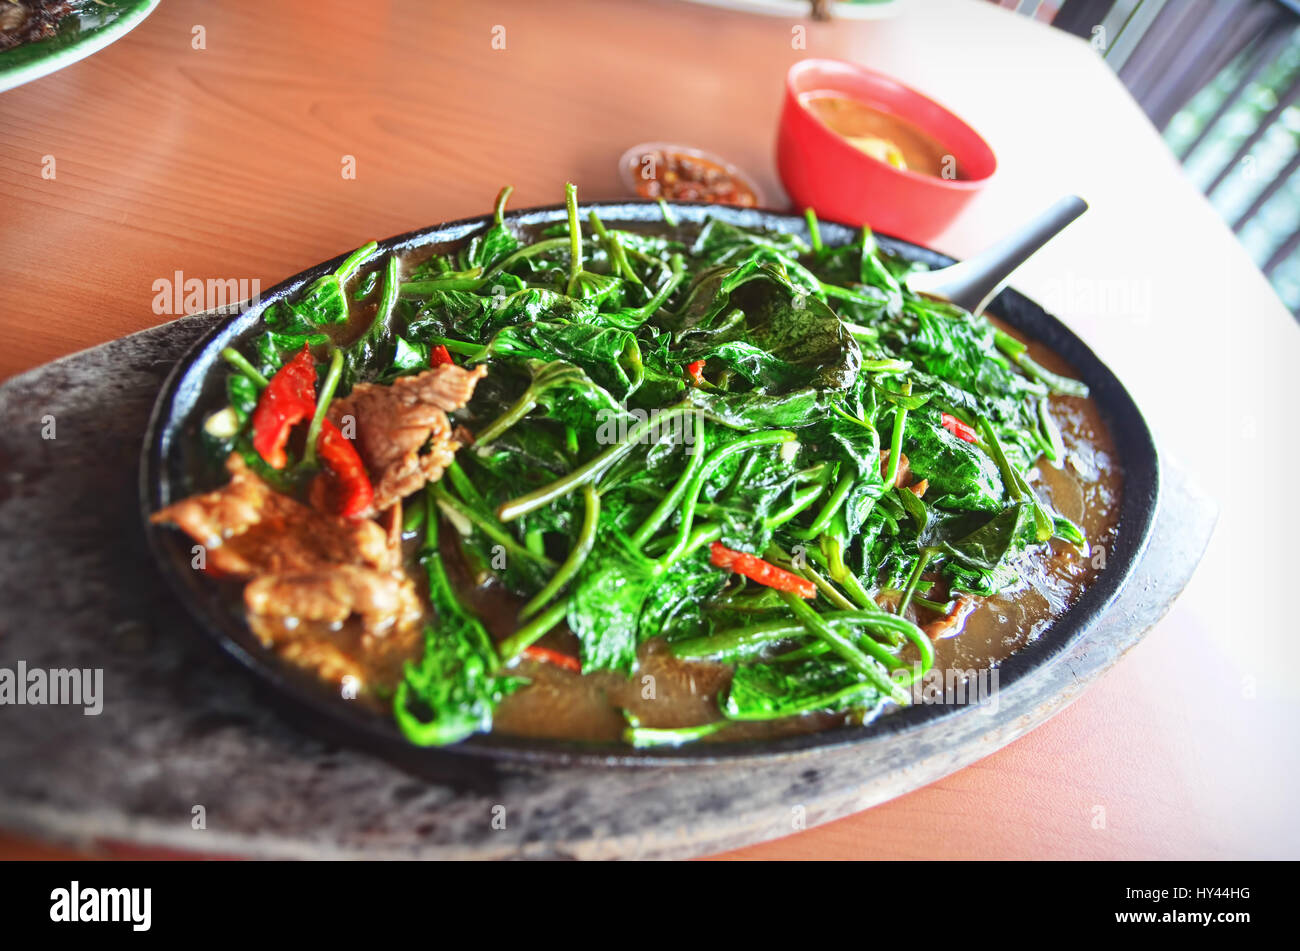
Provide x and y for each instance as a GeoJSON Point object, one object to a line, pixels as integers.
{"type": "Point", "coordinates": [904, 476]}
{"type": "Point", "coordinates": [402, 431]}
{"type": "Point", "coordinates": [390, 520]}
{"type": "Point", "coordinates": [381, 599]}
{"type": "Point", "coordinates": [368, 660]}
{"type": "Point", "coordinates": [329, 661]}
{"type": "Point", "coordinates": [248, 529]}
{"type": "Point", "coordinates": [326, 593]}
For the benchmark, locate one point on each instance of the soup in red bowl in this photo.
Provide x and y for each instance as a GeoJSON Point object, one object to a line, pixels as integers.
{"type": "Point", "coordinates": [858, 146]}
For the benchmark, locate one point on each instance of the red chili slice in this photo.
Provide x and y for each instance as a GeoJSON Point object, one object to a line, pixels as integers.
{"type": "Point", "coordinates": [547, 656]}
{"type": "Point", "coordinates": [958, 428]}
{"type": "Point", "coordinates": [764, 572]}
{"type": "Point", "coordinates": [696, 372]}
{"type": "Point", "coordinates": [439, 356]}
{"type": "Point", "coordinates": [343, 487]}
{"type": "Point", "coordinates": [288, 399]}
{"type": "Point", "coordinates": [347, 488]}
{"type": "Point", "coordinates": [940, 628]}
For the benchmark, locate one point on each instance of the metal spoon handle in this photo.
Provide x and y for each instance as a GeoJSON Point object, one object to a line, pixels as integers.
{"type": "Point", "coordinates": [976, 281]}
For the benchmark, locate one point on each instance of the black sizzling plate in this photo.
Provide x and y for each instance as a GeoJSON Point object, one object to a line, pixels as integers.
{"type": "Point", "coordinates": [195, 389]}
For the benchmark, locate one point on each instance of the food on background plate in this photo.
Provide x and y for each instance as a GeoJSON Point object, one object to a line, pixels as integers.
{"type": "Point", "coordinates": [663, 482]}
{"type": "Point", "coordinates": [882, 135]}
{"type": "Point", "coordinates": [25, 21]}
{"type": "Point", "coordinates": [679, 174]}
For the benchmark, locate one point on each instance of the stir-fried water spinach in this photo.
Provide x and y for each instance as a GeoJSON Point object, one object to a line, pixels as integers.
{"type": "Point", "coordinates": [765, 450]}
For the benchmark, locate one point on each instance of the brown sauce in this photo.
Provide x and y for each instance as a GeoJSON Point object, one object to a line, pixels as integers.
{"type": "Point", "coordinates": [881, 135]}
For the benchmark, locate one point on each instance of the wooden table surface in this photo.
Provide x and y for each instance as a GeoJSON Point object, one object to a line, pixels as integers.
{"type": "Point", "coordinates": [227, 161]}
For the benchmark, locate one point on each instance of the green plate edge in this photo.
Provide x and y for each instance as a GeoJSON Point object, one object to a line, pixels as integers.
{"type": "Point", "coordinates": [31, 61]}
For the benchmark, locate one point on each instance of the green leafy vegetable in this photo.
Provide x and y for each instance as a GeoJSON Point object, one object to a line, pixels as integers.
{"type": "Point", "coordinates": [651, 394]}
{"type": "Point", "coordinates": [452, 690]}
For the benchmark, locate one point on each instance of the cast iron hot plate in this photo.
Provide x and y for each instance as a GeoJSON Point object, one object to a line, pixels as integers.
{"type": "Point", "coordinates": [193, 390]}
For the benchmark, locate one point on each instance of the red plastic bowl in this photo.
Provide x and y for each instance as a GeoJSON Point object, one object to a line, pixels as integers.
{"type": "Point", "coordinates": [822, 171]}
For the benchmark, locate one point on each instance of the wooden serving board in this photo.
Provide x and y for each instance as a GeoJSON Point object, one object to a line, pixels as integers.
{"type": "Point", "coordinates": [183, 736]}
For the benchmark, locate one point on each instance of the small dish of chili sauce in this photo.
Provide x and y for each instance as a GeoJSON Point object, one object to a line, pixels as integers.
{"type": "Point", "coordinates": [680, 173]}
